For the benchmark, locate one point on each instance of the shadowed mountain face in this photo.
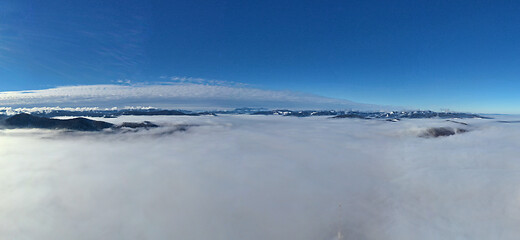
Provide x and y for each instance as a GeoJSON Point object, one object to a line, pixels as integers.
{"type": "Point", "coordinates": [25, 120]}
{"type": "Point", "coordinates": [80, 124]}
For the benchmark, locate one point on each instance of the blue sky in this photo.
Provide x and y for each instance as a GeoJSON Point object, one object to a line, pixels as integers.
{"type": "Point", "coordinates": [460, 55]}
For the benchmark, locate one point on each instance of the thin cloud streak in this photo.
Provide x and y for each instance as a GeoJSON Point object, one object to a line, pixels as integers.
{"type": "Point", "coordinates": [173, 95]}
{"type": "Point", "coordinates": [195, 80]}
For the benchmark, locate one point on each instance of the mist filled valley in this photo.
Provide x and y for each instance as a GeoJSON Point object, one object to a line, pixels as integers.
{"type": "Point", "coordinates": [263, 177]}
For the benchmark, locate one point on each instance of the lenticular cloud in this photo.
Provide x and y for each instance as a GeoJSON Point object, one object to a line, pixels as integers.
{"type": "Point", "coordinates": [186, 96]}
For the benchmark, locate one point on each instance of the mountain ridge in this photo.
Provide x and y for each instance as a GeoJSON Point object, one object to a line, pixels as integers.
{"type": "Point", "coordinates": [24, 120]}
{"type": "Point", "coordinates": [391, 115]}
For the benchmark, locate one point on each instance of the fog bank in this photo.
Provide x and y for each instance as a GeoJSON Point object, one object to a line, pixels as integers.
{"type": "Point", "coordinates": [263, 177]}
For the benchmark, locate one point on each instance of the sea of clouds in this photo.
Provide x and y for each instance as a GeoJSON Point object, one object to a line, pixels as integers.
{"type": "Point", "coordinates": [263, 177]}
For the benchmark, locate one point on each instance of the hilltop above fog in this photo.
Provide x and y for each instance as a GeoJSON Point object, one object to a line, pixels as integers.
{"type": "Point", "coordinates": [81, 120]}
{"type": "Point", "coordinates": [24, 120]}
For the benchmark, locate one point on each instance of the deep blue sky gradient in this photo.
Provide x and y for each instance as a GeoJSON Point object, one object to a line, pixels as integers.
{"type": "Point", "coordinates": [460, 55]}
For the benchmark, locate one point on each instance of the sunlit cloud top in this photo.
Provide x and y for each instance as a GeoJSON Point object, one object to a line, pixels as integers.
{"type": "Point", "coordinates": [184, 95]}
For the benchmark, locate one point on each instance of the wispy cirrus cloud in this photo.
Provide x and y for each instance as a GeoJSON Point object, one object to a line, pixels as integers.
{"type": "Point", "coordinates": [196, 80]}
{"type": "Point", "coordinates": [44, 38]}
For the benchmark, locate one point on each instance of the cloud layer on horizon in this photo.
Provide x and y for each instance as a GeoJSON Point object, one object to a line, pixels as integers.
{"type": "Point", "coordinates": [262, 177]}
{"type": "Point", "coordinates": [183, 95]}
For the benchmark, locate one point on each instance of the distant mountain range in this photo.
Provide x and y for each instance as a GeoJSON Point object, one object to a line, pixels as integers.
{"type": "Point", "coordinates": [44, 120]}
{"type": "Point", "coordinates": [370, 115]}
{"type": "Point", "coordinates": [392, 115]}
{"type": "Point", "coordinates": [404, 114]}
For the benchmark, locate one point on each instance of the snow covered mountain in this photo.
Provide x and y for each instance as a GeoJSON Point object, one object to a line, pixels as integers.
{"type": "Point", "coordinates": [110, 113]}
